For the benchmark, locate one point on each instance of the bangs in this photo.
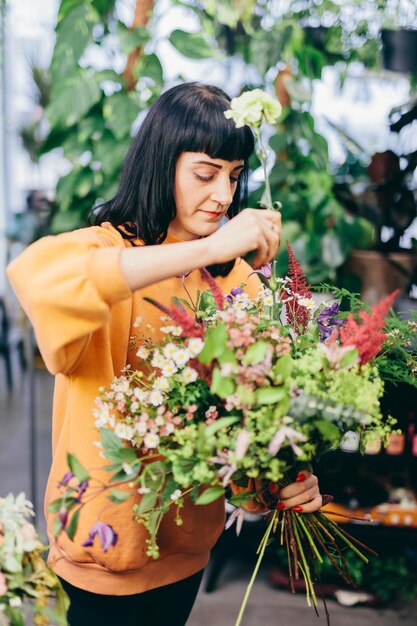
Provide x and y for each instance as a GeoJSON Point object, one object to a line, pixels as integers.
{"type": "Point", "coordinates": [208, 131]}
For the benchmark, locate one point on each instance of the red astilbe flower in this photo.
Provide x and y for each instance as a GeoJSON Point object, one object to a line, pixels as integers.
{"type": "Point", "coordinates": [297, 314]}
{"type": "Point", "coordinates": [367, 336]}
{"type": "Point", "coordinates": [214, 288]}
{"type": "Point", "coordinates": [190, 328]}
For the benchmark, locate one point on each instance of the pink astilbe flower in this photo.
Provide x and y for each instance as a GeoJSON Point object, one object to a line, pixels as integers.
{"type": "Point", "coordinates": [190, 328]}
{"type": "Point", "coordinates": [367, 336]}
{"type": "Point", "coordinates": [237, 516]}
{"type": "Point", "coordinates": [214, 288]}
{"type": "Point", "coordinates": [297, 314]}
{"type": "Point", "coordinates": [289, 434]}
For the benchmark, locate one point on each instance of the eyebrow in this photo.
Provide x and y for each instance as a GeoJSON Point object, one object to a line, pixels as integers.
{"type": "Point", "coordinates": [219, 167]}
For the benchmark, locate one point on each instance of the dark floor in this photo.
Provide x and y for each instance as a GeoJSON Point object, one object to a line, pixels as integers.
{"type": "Point", "coordinates": [24, 467]}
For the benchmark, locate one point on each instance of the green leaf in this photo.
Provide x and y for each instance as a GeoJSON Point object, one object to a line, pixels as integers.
{"type": "Point", "coordinates": [214, 344]}
{"type": "Point", "coordinates": [349, 358]}
{"type": "Point", "coordinates": [110, 152]}
{"type": "Point", "coordinates": [255, 353]}
{"type": "Point", "coordinates": [270, 395]}
{"type": "Point", "coordinates": [56, 527]}
{"type": "Point", "coordinates": [210, 495]}
{"type": "Point", "coordinates": [116, 495]}
{"type": "Point", "coordinates": [192, 45]}
{"type": "Point", "coordinates": [73, 525]}
{"type": "Point", "coordinates": [328, 430]}
{"type": "Point", "coordinates": [120, 111]}
{"type": "Point", "coordinates": [77, 469]}
{"type": "Point", "coordinates": [278, 142]}
{"type": "Point", "coordinates": [242, 498]}
{"type": "Point", "coordinates": [283, 367]}
{"type": "Point", "coordinates": [150, 66]}
{"type": "Point", "coordinates": [114, 449]}
{"type": "Point", "coordinates": [78, 93]}
{"type": "Point", "coordinates": [73, 34]}
{"type": "Point", "coordinates": [131, 39]}
{"type": "Point", "coordinates": [147, 503]}
{"type": "Point", "coordinates": [223, 422]}
{"type": "Point", "coordinates": [221, 385]}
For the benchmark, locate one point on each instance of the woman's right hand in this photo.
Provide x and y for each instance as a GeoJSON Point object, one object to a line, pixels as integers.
{"type": "Point", "coordinates": [252, 229]}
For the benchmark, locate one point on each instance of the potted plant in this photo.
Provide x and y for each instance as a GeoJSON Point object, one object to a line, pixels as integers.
{"type": "Point", "coordinates": [399, 36]}
{"type": "Point", "coordinates": [382, 192]}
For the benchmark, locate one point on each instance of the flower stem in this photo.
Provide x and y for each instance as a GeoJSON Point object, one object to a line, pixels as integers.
{"type": "Point", "coordinates": [261, 550]}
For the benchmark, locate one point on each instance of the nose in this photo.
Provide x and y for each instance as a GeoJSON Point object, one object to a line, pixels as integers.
{"type": "Point", "coordinates": [222, 192]}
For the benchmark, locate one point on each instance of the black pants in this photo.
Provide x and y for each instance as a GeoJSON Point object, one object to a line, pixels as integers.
{"type": "Point", "coordinates": [169, 605]}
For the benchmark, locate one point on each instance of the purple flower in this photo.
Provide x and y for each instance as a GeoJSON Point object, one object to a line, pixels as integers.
{"type": "Point", "coordinates": [236, 291]}
{"type": "Point", "coordinates": [65, 479]}
{"type": "Point", "coordinates": [63, 516]}
{"type": "Point", "coordinates": [106, 533]}
{"type": "Point", "coordinates": [82, 488]}
{"type": "Point", "coordinates": [327, 320]}
{"type": "Point", "coordinates": [265, 271]}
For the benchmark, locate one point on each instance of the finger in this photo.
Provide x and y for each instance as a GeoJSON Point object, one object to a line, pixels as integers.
{"type": "Point", "coordinates": [301, 499]}
{"type": "Point", "coordinates": [297, 487]}
{"type": "Point", "coordinates": [314, 505]}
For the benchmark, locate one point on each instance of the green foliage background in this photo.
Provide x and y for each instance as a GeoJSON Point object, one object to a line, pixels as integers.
{"type": "Point", "coordinates": [92, 113]}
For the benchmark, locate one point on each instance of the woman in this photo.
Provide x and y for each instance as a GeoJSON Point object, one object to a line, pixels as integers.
{"type": "Point", "coordinates": [185, 172]}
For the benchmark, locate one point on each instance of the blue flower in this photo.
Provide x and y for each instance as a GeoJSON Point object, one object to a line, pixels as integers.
{"type": "Point", "coordinates": [327, 320]}
{"type": "Point", "coordinates": [106, 533]}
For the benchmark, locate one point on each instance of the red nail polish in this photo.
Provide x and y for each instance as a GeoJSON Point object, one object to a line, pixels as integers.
{"type": "Point", "coordinates": [280, 506]}
{"type": "Point", "coordinates": [297, 509]}
{"type": "Point", "coordinates": [301, 476]}
{"type": "Point", "coordinates": [273, 488]}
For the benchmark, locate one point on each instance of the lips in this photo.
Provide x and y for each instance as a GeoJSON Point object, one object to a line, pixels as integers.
{"type": "Point", "coordinates": [212, 214]}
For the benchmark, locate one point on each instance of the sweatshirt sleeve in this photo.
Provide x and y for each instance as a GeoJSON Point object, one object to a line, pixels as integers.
{"type": "Point", "coordinates": [67, 285]}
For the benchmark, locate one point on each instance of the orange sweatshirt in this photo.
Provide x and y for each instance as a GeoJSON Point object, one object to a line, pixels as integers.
{"type": "Point", "coordinates": [75, 295]}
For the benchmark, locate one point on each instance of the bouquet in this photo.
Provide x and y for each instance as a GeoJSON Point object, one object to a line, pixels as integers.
{"type": "Point", "coordinates": [23, 572]}
{"type": "Point", "coordinates": [240, 396]}
{"type": "Point", "coordinates": [245, 393]}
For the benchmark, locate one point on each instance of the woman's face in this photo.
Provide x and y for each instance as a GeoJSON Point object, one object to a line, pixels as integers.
{"type": "Point", "coordinates": [204, 189]}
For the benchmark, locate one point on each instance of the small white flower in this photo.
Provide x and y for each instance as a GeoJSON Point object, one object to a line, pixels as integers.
{"type": "Point", "coordinates": [143, 352]}
{"type": "Point", "coordinates": [155, 397]}
{"type": "Point", "coordinates": [161, 383]}
{"type": "Point", "coordinates": [175, 495]}
{"type": "Point", "coordinates": [169, 428]}
{"type": "Point", "coordinates": [143, 490]}
{"type": "Point", "coordinates": [140, 394]}
{"type": "Point", "coordinates": [189, 375]}
{"type": "Point", "coordinates": [123, 431]}
{"type": "Point", "coordinates": [308, 303]}
{"type": "Point", "coordinates": [159, 421]}
{"type": "Point", "coordinates": [268, 300]}
{"type": "Point", "coordinates": [169, 350]}
{"type": "Point", "coordinates": [141, 428]}
{"type": "Point", "coordinates": [195, 346]}
{"type": "Point", "coordinates": [181, 357]}
{"type": "Point", "coordinates": [137, 322]}
{"type": "Point", "coordinates": [134, 407]}
{"type": "Point", "coordinates": [151, 440]}
{"type": "Point", "coordinates": [169, 369]}
{"type": "Point", "coordinates": [15, 602]}
{"type": "Point", "coordinates": [158, 359]}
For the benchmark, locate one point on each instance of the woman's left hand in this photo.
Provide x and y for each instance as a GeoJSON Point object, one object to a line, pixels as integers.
{"type": "Point", "coordinates": [302, 496]}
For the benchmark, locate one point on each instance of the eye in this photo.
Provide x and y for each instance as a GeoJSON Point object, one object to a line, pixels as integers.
{"type": "Point", "coordinates": [205, 179]}
{"type": "Point", "coordinates": [234, 180]}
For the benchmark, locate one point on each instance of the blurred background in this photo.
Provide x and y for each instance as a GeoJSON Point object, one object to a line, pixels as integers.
{"type": "Point", "coordinates": [77, 78]}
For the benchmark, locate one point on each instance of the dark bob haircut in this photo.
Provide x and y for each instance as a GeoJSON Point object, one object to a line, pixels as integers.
{"type": "Point", "coordinates": [186, 118]}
